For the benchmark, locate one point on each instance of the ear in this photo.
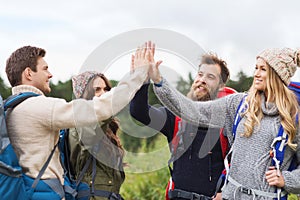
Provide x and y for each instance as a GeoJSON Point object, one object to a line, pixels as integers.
{"type": "Point", "coordinates": [27, 74]}
{"type": "Point", "coordinates": [221, 87]}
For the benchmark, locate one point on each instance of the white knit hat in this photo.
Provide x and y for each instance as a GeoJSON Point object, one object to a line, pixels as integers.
{"type": "Point", "coordinates": [283, 61]}
{"type": "Point", "coordinates": [80, 82]}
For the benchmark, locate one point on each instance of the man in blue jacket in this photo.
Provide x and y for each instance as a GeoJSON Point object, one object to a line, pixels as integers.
{"type": "Point", "coordinates": [196, 167]}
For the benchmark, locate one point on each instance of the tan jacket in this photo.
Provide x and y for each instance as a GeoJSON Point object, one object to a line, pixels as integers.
{"type": "Point", "coordinates": [33, 126]}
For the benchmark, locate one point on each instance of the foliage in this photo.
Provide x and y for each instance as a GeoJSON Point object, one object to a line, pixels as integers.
{"type": "Point", "coordinates": [146, 186]}
{"type": "Point", "coordinates": [293, 197]}
{"type": "Point", "coordinates": [242, 84]}
{"type": "Point", "coordinates": [5, 91]}
{"type": "Point", "coordinates": [184, 86]}
{"type": "Point", "coordinates": [61, 90]}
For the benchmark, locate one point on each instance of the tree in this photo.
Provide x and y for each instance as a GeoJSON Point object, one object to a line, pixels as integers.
{"type": "Point", "coordinates": [5, 91]}
{"type": "Point", "coordinates": [61, 90]}
{"type": "Point", "coordinates": [184, 86]}
{"type": "Point", "coordinates": [242, 84]}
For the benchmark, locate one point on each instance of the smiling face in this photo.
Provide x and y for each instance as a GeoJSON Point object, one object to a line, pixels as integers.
{"type": "Point", "coordinates": [40, 78]}
{"type": "Point", "coordinates": [260, 75]}
{"type": "Point", "coordinates": [207, 83]}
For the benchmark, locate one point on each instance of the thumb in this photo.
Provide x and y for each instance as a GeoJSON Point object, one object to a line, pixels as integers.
{"type": "Point", "coordinates": [158, 63]}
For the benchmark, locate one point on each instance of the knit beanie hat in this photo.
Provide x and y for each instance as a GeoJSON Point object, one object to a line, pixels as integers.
{"type": "Point", "coordinates": [80, 82]}
{"type": "Point", "coordinates": [283, 61]}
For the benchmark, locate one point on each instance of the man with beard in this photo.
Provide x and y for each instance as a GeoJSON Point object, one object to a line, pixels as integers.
{"type": "Point", "coordinates": [196, 151]}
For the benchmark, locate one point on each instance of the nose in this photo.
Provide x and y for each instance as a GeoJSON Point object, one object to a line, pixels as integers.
{"type": "Point", "coordinates": [50, 75]}
{"type": "Point", "coordinates": [99, 92]}
{"type": "Point", "coordinates": [257, 73]}
{"type": "Point", "coordinates": [202, 79]}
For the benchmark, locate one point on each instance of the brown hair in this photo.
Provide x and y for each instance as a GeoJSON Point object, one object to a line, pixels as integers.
{"type": "Point", "coordinates": [113, 126]}
{"type": "Point", "coordinates": [19, 60]}
{"type": "Point", "coordinates": [89, 91]}
{"type": "Point", "coordinates": [212, 59]}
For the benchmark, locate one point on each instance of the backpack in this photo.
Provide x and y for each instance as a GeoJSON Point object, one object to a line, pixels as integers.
{"type": "Point", "coordinates": [295, 87]}
{"type": "Point", "coordinates": [278, 146]}
{"type": "Point", "coordinates": [179, 126]}
{"type": "Point", "coordinates": [83, 190]}
{"type": "Point", "coordinates": [14, 183]}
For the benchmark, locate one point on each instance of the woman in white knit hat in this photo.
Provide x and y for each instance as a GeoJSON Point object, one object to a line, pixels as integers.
{"type": "Point", "coordinates": [106, 174]}
{"type": "Point", "coordinates": [268, 105]}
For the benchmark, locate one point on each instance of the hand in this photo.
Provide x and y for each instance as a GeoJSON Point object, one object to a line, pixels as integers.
{"type": "Point", "coordinates": [140, 58]}
{"type": "Point", "coordinates": [154, 73]}
{"type": "Point", "coordinates": [273, 178]}
{"type": "Point", "coordinates": [218, 196]}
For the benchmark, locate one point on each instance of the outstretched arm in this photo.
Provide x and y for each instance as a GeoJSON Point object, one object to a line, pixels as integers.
{"type": "Point", "coordinates": [151, 116]}
{"type": "Point", "coordinates": [157, 118]}
{"type": "Point", "coordinates": [199, 113]}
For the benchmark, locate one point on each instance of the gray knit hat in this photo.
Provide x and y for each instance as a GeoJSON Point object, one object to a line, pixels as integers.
{"type": "Point", "coordinates": [283, 61]}
{"type": "Point", "coordinates": [80, 82]}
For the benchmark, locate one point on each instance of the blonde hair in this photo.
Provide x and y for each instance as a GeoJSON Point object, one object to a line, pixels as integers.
{"type": "Point", "coordinates": [284, 99]}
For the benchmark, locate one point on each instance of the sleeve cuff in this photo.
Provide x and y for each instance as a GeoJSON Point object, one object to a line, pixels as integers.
{"type": "Point", "coordinates": [159, 84]}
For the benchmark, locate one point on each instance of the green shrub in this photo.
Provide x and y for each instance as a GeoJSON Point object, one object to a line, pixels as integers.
{"type": "Point", "coordinates": [147, 173]}
{"type": "Point", "coordinates": [293, 197]}
{"type": "Point", "coordinates": [145, 186]}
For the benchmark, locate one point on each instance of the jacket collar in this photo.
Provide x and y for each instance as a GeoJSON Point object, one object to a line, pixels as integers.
{"type": "Point", "coordinates": [26, 88]}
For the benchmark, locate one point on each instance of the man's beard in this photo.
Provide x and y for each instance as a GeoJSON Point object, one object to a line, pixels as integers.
{"type": "Point", "coordinates": [210, 95]}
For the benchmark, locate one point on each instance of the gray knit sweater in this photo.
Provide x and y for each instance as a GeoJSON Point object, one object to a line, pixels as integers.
{"type": "Point", "coordinates": [250, 158]}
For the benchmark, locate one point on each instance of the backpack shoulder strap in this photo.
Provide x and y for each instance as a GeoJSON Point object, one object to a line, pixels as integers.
{"type": "Point", "coordinates": [278, 148]}
{"type": "Point", "coordinates": [295, 87]}
{"type": "Point", "coordinates": [175, 139]}
{"type": "Point", "coordinates": [224, 143]}
{"type": "Point", "coordinates": [241, 108]}
{"type": "Point", "coordinates": [14, 100]}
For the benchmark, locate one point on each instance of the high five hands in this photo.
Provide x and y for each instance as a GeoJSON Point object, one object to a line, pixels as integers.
{"type": "Point", "coordinates": [144, 55]}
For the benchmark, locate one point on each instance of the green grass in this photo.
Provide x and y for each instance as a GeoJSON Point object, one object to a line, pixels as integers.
{"type": "Point", "coordinates": [147, 173]}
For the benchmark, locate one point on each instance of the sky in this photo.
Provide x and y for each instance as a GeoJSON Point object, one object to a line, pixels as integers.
{"type": "Point", "coordinates": [71, 30]}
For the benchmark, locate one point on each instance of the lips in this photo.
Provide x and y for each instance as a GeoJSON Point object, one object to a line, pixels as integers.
{"type": "Point", "coordinates": [258, 81]}
{"type": "Point", "coordinates": [201, 88]}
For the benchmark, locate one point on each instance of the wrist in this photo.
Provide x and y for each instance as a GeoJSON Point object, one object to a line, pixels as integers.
{"type": "Point", "coordinates": [158, 82]}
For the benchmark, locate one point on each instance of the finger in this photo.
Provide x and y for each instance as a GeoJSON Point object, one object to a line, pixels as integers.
{"type": "Point", "coordinates": [149, 45]}
{"type": "Point", "coordinates": [144, 50]}
{"type": "Point", "coordinates": [273, 182]}
{"type": "Point", "coordinates": [271, 167]}
{"type": "Point", "coordinates": [271, 177]}
{"type": "Point", "coordinates": [272, 171]}
{"type": "Point", "coordinates": [153, 49]}
{"type": "Point", "coordinates": [148, 56]}
{"type": "Point", "coordinates": [138, 52]}
{"type": "Point", "coordinates": [132, 63]}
